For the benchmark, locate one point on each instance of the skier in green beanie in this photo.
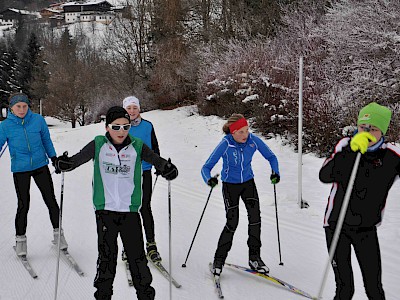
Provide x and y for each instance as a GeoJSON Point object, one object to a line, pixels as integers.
{"type": "Point", "coordinates": [378, 168]}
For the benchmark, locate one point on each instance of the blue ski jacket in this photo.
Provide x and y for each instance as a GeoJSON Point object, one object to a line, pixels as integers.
{"type": "Point", "coordinates": [237, 159]}
{"type": "Point", "coordinates": [28, 141]}
{"type": "Point", "coordinates": [145, 131]}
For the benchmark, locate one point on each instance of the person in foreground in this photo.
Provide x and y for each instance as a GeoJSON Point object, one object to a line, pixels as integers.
{"type": "Point", "coordinates": [117, 199]}
{"type": "Point", "coordinates": [237, 149]}
{"type": "Point", "coordinates": [379, 167]}
{"type": "Point", "coordinates": [144, 130]}
{"type": "Point", "coordinates": [30, 146]}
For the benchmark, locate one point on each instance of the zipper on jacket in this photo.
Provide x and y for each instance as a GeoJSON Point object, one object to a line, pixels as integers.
{"type": "Point", "coordinates": [27, 140]}
{"type": "Point", "coordinates": [241, 164]}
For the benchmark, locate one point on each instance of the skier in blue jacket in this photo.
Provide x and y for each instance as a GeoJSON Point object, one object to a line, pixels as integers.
{"type": "Point", "coordinates": [237, 149]}
{"type": "Point", "coordinates": [30, 147]}
{"type": "Point", "coordinates": [144, 130]}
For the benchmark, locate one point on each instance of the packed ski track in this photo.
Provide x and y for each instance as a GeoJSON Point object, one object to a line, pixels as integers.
{"type": "Point", "coordinates": [188, 139]}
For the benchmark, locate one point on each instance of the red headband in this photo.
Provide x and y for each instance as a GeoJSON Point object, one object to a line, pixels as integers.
{"type": "Point", "coordinates": [237, 125]}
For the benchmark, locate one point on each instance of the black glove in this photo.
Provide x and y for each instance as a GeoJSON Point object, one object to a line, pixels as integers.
{"type": "Point", "coordinates": [53, 161]}
{"type": "Point", "coordinates": [275, 178]}
{"type": "Point", "coordinates": [63, 163]}
{"type": "Point", "coordinates": [213, 181]}
{"type": "Point", "coordinates": [170, 171]}
{"type": "Point", "coordinates": [157, 172]}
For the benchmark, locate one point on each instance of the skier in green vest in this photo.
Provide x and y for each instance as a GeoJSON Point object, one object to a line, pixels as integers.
{"type": "Point", "coordinates": [117, 198]}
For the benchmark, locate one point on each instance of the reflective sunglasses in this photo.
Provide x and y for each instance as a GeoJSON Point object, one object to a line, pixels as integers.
{"type": "Point", "coordinates": [116, 127]}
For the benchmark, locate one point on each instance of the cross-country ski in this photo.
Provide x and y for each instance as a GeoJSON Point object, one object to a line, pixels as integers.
{"type": "Point", "coordinates": [72, 262]}
{"type": "Point", "coordinates": [25, 262]}
{"type": "Point", "coordinates": [217, 282]}
{"type": "Point", "coordinates": [159, 266]}
{"type": "Point", "coordinates": [272, 279]}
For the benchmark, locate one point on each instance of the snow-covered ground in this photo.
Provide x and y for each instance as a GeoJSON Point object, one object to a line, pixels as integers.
{"type": "Point", "coordinates": [187, 139]}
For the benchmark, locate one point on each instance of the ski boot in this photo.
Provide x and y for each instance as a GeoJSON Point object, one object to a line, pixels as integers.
{"type": "Point", "coordinates": [256, 264]}
{"type": "Point", "coordinates": [21, 246]}
{"type": "Point", "coordinates": [152, 252]}
{"type": "Point", "coordinates": [63, 242]}
{"type": "Point", "coordinates": [217, 267]}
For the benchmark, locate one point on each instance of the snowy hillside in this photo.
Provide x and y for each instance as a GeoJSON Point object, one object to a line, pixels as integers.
{"type": "Point", "coordinates": [187, 139]}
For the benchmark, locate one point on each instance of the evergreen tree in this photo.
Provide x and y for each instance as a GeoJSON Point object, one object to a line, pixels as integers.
{"type": "Point", "coordinates": [3, 75]}
{"type": "Point", "coordinates": [38, 88]}
{"type": "Point", "coordinates": [29, 62]}
{"type": "Point", "coordinates": [8, 71]}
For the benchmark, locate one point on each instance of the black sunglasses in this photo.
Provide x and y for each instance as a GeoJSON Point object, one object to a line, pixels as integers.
{"type": "Point", "coordinates": [116, 127]}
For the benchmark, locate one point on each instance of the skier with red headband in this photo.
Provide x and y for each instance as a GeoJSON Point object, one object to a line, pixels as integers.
{"type": "Point", "coordinates": [237, 149]}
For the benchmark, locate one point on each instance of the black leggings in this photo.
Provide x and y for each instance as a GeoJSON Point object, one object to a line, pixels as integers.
{"type": "Point", "coordinates": [145, 210]}
{"type": "Point", "coordinates": [128, 225]}
{"type": "Point", "coordinates": [366, 247]}
{"type": "Point", "coordinates": [22, 183]}
{"type": "Point", "coordinates": [231, 193]}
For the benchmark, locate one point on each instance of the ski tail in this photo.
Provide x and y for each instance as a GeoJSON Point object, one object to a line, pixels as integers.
{"type": "Point", "coordinates": [217, 282]}
{"type": "Point", "coordinates": [25, 262]}
{"type": "Point", "coordinates": [72, 262]}
{"type": "Point", "coordinates": [159, 266]}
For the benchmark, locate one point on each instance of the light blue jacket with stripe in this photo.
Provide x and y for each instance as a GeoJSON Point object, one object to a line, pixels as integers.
{"type": "Point", "coordinates": [237, 159]}
{"type": "Point", "coordinates": [28, 141]}
{"type": "Point", "coordinates": [145, 131]}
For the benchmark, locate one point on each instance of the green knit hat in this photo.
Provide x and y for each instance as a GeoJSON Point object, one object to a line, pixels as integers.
{"type": "Point", "coordinates": [375, 115]}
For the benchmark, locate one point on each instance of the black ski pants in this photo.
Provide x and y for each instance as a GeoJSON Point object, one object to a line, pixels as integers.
{"type": "Point", "coordinates": [128, 225]}
{"type": "Point", "coordinates": [232, 193]}
{"type": "Point", "coordinates": [366, 246]}
{"type": "Point", "coordinates": [145, 210]}
{"type": "Point", "coordinates": [22, 183]}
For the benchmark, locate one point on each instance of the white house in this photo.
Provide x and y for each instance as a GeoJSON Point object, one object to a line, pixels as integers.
{"type": "Point", "coordinates": [98, 10]}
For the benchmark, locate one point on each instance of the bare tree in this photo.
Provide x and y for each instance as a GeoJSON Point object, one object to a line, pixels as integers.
{"type": "Point", "coordinates": [70, 82]}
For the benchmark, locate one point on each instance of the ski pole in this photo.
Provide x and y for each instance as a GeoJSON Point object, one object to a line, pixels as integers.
{"type": "Point", "coordinates": [59, 231]}
{"type": "Point", "coordinates": [170, 243]}
{"type": "Point", "coordinates": [202, 214]}
{"type": "Point", "coordinates": [154, 185]}
{"type": "Point", "coordinates": [277, 228]}
{"type": "Point", "coordinates": [340, 221]}
{"type": "Point", "coordinates": [4, 149]}
{"type": "Point", "coordinates": [59, 234]}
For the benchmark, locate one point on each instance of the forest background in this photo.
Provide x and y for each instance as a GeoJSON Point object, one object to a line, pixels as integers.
{"type": "Point", "coordinates": [225, 56]}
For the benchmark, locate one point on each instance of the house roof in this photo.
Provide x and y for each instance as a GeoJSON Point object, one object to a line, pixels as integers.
{"type": "Point", "coordinates": [52, 10]}
{"type": "Point", "coordinates": [93, 2]}
{"type": "Point", "coordinates": [21, 12]}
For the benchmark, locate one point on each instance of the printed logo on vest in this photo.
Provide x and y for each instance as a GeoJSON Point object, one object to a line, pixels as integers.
{"type": "Point", "coordinates": [114, 169]}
